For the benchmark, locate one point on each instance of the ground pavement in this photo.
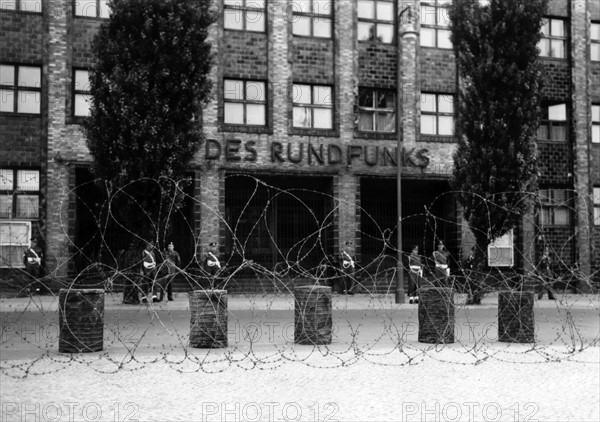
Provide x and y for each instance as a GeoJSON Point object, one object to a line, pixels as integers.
{"type": "Point", "coordinates": [375, 369]}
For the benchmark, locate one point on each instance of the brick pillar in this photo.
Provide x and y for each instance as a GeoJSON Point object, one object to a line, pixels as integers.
{"type": "Point", "coordinates": [580, 35]}
{"type": "Point", "coordinates": [527, 237]}
{"type": "Point", "coordinates": [210, 215]}
{"type": "Point", "coordinates": [280, 72]}
{"type": "Point", "coordinates": [57, 241]}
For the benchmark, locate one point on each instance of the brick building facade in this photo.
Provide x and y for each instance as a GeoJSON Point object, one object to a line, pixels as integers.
{"type": "Point", "coordinates": [308, 100]}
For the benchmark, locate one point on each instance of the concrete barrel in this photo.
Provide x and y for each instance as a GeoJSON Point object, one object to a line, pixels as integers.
{"type": "Point", "coordinates": [515, 317]}
{"type": "Point", "coordinates": [312, 315]}
{"type": "Point", "coordinates": [436, 315]}
{"type": "Point", "coordinates": [80, 320]}
{"type": "Point", "coordinates": [208, 323]}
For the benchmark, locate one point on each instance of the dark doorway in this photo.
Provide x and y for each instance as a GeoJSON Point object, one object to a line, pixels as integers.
{"type": "Point", "coordinates": [275, 219]}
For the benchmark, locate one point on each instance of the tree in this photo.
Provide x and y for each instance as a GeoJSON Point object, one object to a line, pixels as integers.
{"type": "Point", "coordinates": [148, 84]}
{"type": "Point", "coordinates": [495, 167]}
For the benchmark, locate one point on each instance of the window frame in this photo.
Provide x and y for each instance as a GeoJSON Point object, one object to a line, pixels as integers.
{"type": "Point", "coordinates": [19, 247]}
{"type": "Point", "coordinates": [17, 89]}
{"type": "Point", "coordinates": [547, 201]}
{"type": "Point", "coordinates": [550, 124]}
{"type": "Point", "coordinates": [595, 125]}
{"type": "Point", "coordinates": [245, 102]}
{"type": "Point", "coordinates": [78, 92]}
{"type": "Point", "coordinates": [98, 12]}
{"type": "Point", "coordinates": [374, 111]}
{"type": "Point", "coordinates": [376, 22]}
{"type": "Point", "coordinates": [551, 38]}
{"type": "Point", "coordinates": [243, 10]}
{"type": "Point", "coordinates": [438, 6]}
{"type": "Point", "coordinates": [596, 205]}
{"type": "Point", "coordinates": [18, 7]}
{"type": "Point", "coordinates": [312, 17]}
{"type": "Point", "coordinates": [16, 191]}
{"type": "Point", "coordinates": [312, 106]}
{"type": "Point", "coordinates": [594, 42]}
{"type": "Point", "coordinates": [438, 114]}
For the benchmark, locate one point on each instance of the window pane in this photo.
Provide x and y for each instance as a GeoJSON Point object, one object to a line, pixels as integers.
{"type": "Point", "coordinates": [28, 180]}
{"type": "Point", "coordinates": [302, 117]}
{"type": "Point", "coordinates": [322, 95]}
{"type": "Point", "coordinates": [29, 76]}
{"type": "Point", "coordinates": [385, 33]}
{"type": "Point", "coordinates": [385, 99]}
{"type": "Point", "coordinates": [85, 8]}
{"type": "Point", "coordinates": [255, 114]}
{"type": "Point", "coordinates": [323, 118]}
{"type": "Point", "coordinates": [234, 3]}
{"type": "Point", "coordinates": [29, 102]}
{"type": "Point", "coordinates": [82, 80]}
{"type": "Point", "coordinates": [255, 4]}
{"type": "Point", "coordinates": [6, 206]}
{"type": "Point", "coordinates": [559, 133]}
{"type": "Point", "coordinates": [301, 25]}
{"type": "Point", "coordinates": [428, 103]}
{"type": "Point", "coordinates": [234, 113]}
{"type": "Point", "coordinates": [596, 133]}
{"type": "Point", "coordinates": [6, 179]}
{"type": "Point", "coordinates": [366, 9]}
{"type": "Point", "coordinates": [544, 47]}
{"type": "Point", "coordinates": [233, 19]}
{"type": "Point", "coordinates": [558, 48]}
{"type": "Point", "coordinates": [365, 97]}
{"type": "Point", "coordinates": [545, 216]}
{"type": "Point", "coordinates": [542, 133]}
{"type": "Point", "coordinates": [444, 39]}
{"type": "Point", "coordinates": [428, 15]}
{"type": "Point", "coordinates": [27, 206]}
{"type": "Point", "coordinates": [322, 7]}
{"type": "Point", "coordinates": [322, 27]}
{"type": "Point", "coordinates": [7, 74]}
{"type": "Point", "coordinates": [559, 196]}
{"type": "Point", "coordinates": [386, 122]}
{"type": "Point", "coordinates": [597, 216]}
{"type": "Point", "coordinates": [596, 31]}
{"type": "Point", "coordinates": [255, 20]}
{"type": "Point", "coordinates": [301, 6]}
{"type": "Point", "coordinates": [8, 4]}
{"type": "Point", "coordinates": [545, 27]}
{"type": "Point", "coordinates": [302, 94]}
{"type": "Point", "coordinates": [443, 19]}
{"type": "Point", "coordinates": [561, 216]}
{"type": "Point", "coordinates": [366, 31]}
{"type": "Point", "coordinates": [365, 121]}
{"type": "Point", "coordinates": [233, 90]}
{"type": "Point", "coordinates": [557, 28]}
{"type": "Point", "coordinates": [385, 11]}
{"type": "Point", "coordinates": [255, 91]}
{"type": "Point", "coordinates": [31, 5]}
{"type": "Point", "coordinates": [82, 104]}
{"type": "Point", "coordinates": [595, 52]}
{"type": "Point", "coordinates": [596, 114]}
{"type": "Point", "coordinates": [427, 37]}
{"type": "Point", "coordinates": [7, 100]}
{"type": "Point", "coordinates": [104, 9]}
{"type": "Point", "coordinates": [446, 125]}
{"type": "Point", "coordinates": [445, 103]}
{"type": "Point", "coordinates": [557, 112]}
{"type": "Point", "coordinates": [428, 125]}
{"type": "Point", "coordinates": [596, 196]}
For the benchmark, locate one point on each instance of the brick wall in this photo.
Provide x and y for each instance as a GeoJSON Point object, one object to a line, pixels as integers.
{"type": "Point", "coordinates": [553, 166]}
{"type": "Point", "coordinates": [377, 64]}
{"type": "Point", "coordinates": [313, 60]}
{"type": "Point", "coordinates": [437, 70]}
{"type": "Point", "coordinates": [244, 55]}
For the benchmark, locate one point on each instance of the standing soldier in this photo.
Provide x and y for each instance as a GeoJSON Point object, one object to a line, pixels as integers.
{"type": "Point", "coordinates": [32, 258]}
{"type": "Point", "coordinates": [416, 271]}
{"type": "Point", "coordinates": [173, 261]}
{"type": "Point", "coordinates": [148, 272]}
{"type": "Point", "coordinates": [440, 257]}
{"type": "Point", "coordinates": [545, 269]}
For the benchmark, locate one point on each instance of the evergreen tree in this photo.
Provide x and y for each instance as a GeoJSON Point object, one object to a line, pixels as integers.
{"type": "Point", "coordinates": [149, 81]}
{"type": "Point", "coordinates": [498, 114]}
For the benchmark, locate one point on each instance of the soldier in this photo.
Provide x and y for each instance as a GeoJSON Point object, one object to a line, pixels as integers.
{"type": "Point", "coordinates": [416, 270]}
{"type": "Point", "coordinates": [32, 258]}
{"type": "Point", "coordinates": [545, 269]}
{"type": "Point", "coordinates": [148, 269]}
{"type": "Point", "coordinates": [173, 261]}
{"type": "Point", "coordinates": [440, 258]}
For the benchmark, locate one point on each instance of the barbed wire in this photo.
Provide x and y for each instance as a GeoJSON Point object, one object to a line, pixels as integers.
{"type": "Point", "coordinates": [260, 327]}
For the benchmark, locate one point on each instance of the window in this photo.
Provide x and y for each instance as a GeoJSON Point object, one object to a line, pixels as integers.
{"type": "Point", "coordinates": [553, 126]}
{"type": "Point", "coordinates": [554, 207]}
{"type": "Point", "coordinates": [595, 45]}
{"type": "Point", "coordinates": [376, 110]}
{"type": "Point", "coordinates": [244, 15]}
{"type": "Point", "coordinates": [435, 23]}
{"type": "Point", "coordinates": [20, 88]}
{"type": "Point", "coordinates": [19, 193]}
{"type": "Point", "coordinates": [92, 8]}
{"type": "Point", "coordinates": [437, 114]}
{"type": "Point", "coordinates": [245, 102]}
{"type": "Point", "coordinates": [554, 39]}
{"type": "Point", "coordinates": [312, 18]}
{"type": "Point", "coordinates": [22, 5]}
{"type": "Point", "coordinates": [376, 20]}
{"type": "Point", "coordinates": [597, 205]}
{"type": "Point", "coordinates": [501, 252]}
{"type": "Point", "coordinates": [81, 93]}
{"type": "Point", "coordinates": [596, 123]}
{"type": "Point", "coordinates": [14, 241]}
{"type": "Point", "coordinates": [313, 106]}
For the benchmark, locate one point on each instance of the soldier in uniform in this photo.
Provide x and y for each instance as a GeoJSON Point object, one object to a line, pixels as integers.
{"type": "Point", "coordinates": [148, 269]}
{"type": "Point", "coordinates": [173, 262]}
{"type": "Point", "coordinates": [440, 258]}
{"type": "Point", "coordinates": [32, 258]}
{"type": "Point", "coordinates": [416, 271]}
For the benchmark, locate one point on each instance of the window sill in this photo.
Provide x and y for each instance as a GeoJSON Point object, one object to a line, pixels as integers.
{"type": "Point", "coordinates": [21, 12]}
{"type": "Point", "coordinates": [245, 30]}
{"type": "Point", "coordinates": [13, 114]}
{"type": "Point", "coordinates": [443, 139]}
{"type": "Point", "coordinates": [313, 37]}
{"type": "Point", "coordinates": [330, 133]}
{"type": "Point", "coordinates": [548, 141]}
{"type": "Point", "coordinates": [437, 48]}
{"type": "Point", "coordinates": [245, 129]}
{"type": "Point", "coordinates": [94, 18]}
{"type": "Point", "coordinates": [384, 136]}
